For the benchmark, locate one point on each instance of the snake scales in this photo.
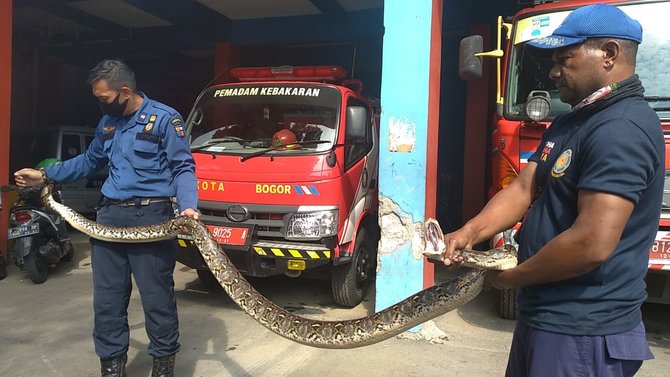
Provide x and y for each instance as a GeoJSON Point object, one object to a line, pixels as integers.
{"type": "Point", "coordinates": [416, 309]}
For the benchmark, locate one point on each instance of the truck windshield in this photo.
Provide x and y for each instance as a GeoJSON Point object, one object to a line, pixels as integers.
{"type": "Point", "coordinates": [241, 119]}
{"type": "Point", "coordinates": [529, 68]}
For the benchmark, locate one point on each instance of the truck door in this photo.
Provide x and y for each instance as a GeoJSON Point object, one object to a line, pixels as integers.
{"type": "Point", "coordinates": [359, 169]}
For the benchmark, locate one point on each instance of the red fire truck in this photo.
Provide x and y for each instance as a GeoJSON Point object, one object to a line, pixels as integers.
{"type": "Point", "coordinates": [286, 163]}
{"type": "Point", "coordinates": [527, 101]}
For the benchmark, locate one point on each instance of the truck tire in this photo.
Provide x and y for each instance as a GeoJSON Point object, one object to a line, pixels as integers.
{"type": "Point", "coordinates": [3, 267]}
{"type": "Point", "coordinates": [350, 281]}
{"type": "Point", "coordinates": [207, 279]}
{"type": "Point", "coordinates": [36, 267]}
{"type": "Point", "coordinates": [507, 305]}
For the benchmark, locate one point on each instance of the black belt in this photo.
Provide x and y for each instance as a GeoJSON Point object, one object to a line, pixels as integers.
{"type": "Point", "coordinates": [135, 201]}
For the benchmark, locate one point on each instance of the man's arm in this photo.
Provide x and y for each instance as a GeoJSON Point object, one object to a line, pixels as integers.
{"type": "Point", "coordinates": [590, 240]}
{"type": "Point", "coordinates": [503, 211]}
{"type": "Point", "coordinates": [182, 166]}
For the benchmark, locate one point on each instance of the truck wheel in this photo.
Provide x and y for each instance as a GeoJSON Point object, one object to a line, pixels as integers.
{"type": "Point", "coordinates": [350, 281]}
{"type": "Point", "coordinates": [36, 266]}
{"type": "Point", "coordinates": [3, 267]}
{"type": "Point", "coordinates": [507, 305]}
{"type": "Point", "coordinates": [207, 279]}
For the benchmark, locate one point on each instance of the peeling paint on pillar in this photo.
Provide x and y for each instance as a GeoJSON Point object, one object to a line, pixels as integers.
{"type": "Point", "coordinates": [403, 146]}
{"type": "Point", "coordinates": [398, 229]}
{"type": "Point", "coordinates": [399, 254]}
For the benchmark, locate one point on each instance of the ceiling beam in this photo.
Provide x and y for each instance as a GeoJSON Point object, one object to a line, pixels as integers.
{"type": "Point", "coordinates": [329, 7]}
{"type": "Point", "coordinates": [101, 26]}
{"type": "Point", "coordinates": [309, 29]}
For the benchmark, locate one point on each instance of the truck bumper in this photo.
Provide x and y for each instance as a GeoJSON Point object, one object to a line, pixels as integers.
{"type": "Point", "coordinates": [262, 259]}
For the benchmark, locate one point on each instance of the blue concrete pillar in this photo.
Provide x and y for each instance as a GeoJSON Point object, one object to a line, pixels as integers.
{"type": "Point", "coordinates": [404, 125]}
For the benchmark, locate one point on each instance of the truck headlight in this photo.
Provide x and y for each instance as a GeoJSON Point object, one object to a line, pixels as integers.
{"type": "Point", "coordinates": [312, 225]}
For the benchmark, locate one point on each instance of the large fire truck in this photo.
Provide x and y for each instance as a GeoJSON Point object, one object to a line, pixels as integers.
{"type": "Point", "coordinates": [286, 163]}
{"type": "Point", "coordinates": [526, 101]}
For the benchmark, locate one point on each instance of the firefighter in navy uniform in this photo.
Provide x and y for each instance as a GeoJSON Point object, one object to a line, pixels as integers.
{"type": "Point", "coordinates": [151, 171]}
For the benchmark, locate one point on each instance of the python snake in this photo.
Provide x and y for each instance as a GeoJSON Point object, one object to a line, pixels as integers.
{"type": "Point", "coordinates": [410, 312]}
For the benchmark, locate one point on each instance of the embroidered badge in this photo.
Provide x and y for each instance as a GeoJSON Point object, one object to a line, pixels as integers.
{"type": "Point", "coordinates": [148, 128]}
{"type": "Point", "coordinates": [143, 115]}
{"type": "Point", "coordinates": [108, 128]}
{"type": "Point", "coordinates": [152, 118]}
{"type": "Point", "coordinates": [546, 151]}
{"type": "Point", "coordinates": [562, 164]}
{"type": "Point", "coordinates": [178, 126]}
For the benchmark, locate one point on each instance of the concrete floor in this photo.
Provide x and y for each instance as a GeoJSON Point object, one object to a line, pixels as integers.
{"type": "Point", "coordinates": [45, 331]}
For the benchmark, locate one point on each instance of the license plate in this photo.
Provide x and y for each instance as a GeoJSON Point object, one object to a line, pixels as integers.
{"type": "Point", "coordinates": [23, 230]}
{"type": "Point", "coordinates": [660, 250]}
{"type": "Point", "coordinates": [227, 235]}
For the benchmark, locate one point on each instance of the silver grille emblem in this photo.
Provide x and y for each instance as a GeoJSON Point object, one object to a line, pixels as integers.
{"type": "Point", "coordinates": [237, 213]}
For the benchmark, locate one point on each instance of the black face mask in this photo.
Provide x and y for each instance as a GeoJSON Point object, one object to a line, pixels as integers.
{"type": "Point", "coordinates": [114, 108]}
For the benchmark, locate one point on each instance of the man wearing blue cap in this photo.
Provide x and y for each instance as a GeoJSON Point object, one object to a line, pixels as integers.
{"type": "Point", "coordinates": [592, 195]}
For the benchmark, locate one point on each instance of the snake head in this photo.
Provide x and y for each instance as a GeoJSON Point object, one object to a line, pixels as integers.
{"type": "Point", "coordinates": [434, 247]}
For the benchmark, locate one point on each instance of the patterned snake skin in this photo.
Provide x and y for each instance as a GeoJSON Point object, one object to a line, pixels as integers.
{"type": "Point", "coordinates": [353, 333]}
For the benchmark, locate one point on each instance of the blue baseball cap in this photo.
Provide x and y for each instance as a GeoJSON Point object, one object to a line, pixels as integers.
{"type": "Point", "coordinates": [592, 21]}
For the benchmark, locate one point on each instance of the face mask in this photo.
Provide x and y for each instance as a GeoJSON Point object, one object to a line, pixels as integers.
{"type": "Point", "coordinates": [114, 108]}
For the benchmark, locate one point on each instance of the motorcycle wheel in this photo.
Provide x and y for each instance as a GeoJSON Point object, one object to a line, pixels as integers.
{"type": "Point", "coordinates": [70, 251]}
{"type": "Point", "coordinates": [36, 267]}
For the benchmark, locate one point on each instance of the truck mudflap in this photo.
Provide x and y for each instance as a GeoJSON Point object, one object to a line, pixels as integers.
{"type": "Point", "coordinates": [262, 259]}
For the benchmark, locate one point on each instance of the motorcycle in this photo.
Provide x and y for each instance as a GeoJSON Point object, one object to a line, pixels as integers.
{"type": "Point", "coordinates": [40, 236]}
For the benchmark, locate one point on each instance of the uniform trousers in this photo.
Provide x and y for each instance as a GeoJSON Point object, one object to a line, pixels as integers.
{"type": "Point", "coordinates": [152, 265]}
{"type": "Point", "coordinates": [537, 353]}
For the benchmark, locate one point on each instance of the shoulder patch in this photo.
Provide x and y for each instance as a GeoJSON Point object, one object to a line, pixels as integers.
{"type": "Point", "coordinates": [179, 129]}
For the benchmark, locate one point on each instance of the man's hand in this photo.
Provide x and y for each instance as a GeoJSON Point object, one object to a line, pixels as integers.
{"type": "Point", "coordinates": [28, 177]}
{"type": "Point", "coordinates": [190, 212]}
{"type": "Point", "coordinates": [457, 240]}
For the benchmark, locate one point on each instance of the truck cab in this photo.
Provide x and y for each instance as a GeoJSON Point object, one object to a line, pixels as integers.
{"type": "Point", "coordinates": [286, 164]}
{"type": "Point", "coordinates": [527, 101]}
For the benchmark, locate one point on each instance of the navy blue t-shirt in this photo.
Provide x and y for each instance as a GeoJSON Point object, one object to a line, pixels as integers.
{"type": "Point", "coordinates": [618, 150]}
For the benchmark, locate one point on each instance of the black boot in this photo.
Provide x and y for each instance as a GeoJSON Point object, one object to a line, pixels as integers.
{"type": "Point", "coordinates": [115, 367]}
{"type": "Point", "coordinates": [163, 366]}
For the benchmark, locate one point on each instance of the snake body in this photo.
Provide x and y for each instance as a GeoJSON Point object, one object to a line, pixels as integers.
{"type": "Point", "coordinates": [410, 312]}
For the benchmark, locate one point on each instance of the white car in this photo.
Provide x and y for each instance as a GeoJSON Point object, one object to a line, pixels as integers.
{"type": "Point", "coordinates": [65, 142]}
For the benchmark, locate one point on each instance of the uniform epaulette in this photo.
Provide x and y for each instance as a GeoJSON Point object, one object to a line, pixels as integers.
{"type": "Point", "coordinates": [165, 108]}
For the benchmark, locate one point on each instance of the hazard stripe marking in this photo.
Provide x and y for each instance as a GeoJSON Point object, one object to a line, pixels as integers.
{"type": "Point", "coordinates": [277, 252]}
{"type": "Point", "coordinates": [295, 253]}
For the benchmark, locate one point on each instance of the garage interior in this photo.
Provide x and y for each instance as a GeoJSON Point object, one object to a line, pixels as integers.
{"type": "Point", "coordinates": [177, 47]}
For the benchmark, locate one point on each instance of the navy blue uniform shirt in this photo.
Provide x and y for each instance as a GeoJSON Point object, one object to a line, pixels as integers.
{"type": "Point", "coordinates": [148, 156]}
{"type": "Point", "coordinates": [618, 150]}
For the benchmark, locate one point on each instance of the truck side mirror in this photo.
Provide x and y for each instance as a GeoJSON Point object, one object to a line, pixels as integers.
{"type": "Point", "coordinates": [356, 122]}
{"type": "Point", "coordinates": [470, 66]}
